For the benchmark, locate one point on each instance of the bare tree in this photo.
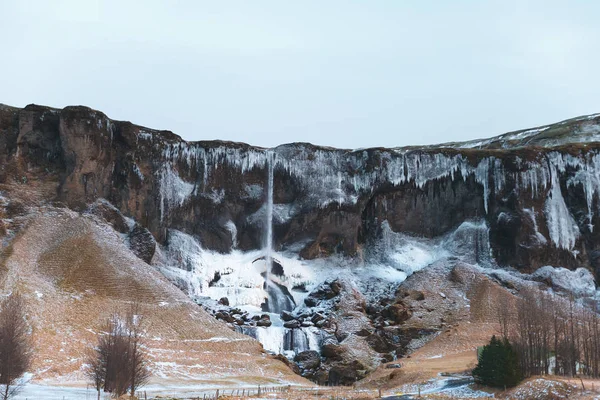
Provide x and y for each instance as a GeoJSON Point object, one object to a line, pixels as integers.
{"type": "Point", "coordinates": [96, 369]}
{"type": "Point", "coordinates": [118, 364]}
{"type": "Point", "coordinates": [503, 315]}
{"type": "Point", "coordinates": [15, 355]}
{"type": "Point", "coordinates": [138, 364]}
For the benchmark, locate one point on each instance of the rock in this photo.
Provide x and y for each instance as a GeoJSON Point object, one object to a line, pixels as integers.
{"type": "Point", "coordinates": [317, 317]}
{"type": "Point", "coordinates": [336, 287]}
{"type": "Point", "coordinates": [347, 374]}
{"type": "Point", "coordinates": [398, 313]}
{"type": "Point", "coordinates": [415, 295]}
{"type": "Point", "coordinates": [393, 366]}
{"type": "Point", "coordinates": [286, 316]}
{"type": "Point", "coordinates": [225, 317]}
{"type": "Point", "coordinates": [264, 322]}
{"type": "Point", "coordinates": [110, 214]}
{"type": "Point", "coordinates": [308, 360]}
{"type": "Point", "coordinates": [224, 301]}
{"type": "Point", "coordinates": [287, 362]}
{"type": "Point", "coordinates": [142, 243]}
{"type": "Point", "coordinates": [306, 324]}
{"type": "Point", "coordinates": [291, 324]}
{"type": "Point", "coordinates": [310, 302]}
{"type": "Point", "coordinates": [364, 332]}
{"type": "Point", "coordinates": [332, 351]}
{"type": "Point", "coordinates": [321, 323]}
{"type": "Point", "coordinates": [379, 344]}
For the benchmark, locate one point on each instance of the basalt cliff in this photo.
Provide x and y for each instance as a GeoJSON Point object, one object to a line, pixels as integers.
{"type": "Point", "coordinates": [344, 228]}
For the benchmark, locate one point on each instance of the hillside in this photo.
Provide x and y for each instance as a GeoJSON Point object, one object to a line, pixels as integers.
{"type": "Point", "coordinates": [75, 270]}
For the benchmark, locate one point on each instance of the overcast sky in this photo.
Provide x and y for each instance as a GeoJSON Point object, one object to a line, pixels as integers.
{"type": "Point", "coordinates": [339, 73]}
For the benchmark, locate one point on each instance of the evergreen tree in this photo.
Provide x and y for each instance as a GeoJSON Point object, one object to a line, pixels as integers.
{"type": "Point", "coordinates": [498, 365]}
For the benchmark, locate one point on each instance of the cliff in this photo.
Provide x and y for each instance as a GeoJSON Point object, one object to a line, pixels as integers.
{"type": "Point", "coordinates": [537, 190]}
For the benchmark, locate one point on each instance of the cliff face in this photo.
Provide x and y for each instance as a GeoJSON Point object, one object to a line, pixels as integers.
{"type": "Point", "coordinates": [537, 190]}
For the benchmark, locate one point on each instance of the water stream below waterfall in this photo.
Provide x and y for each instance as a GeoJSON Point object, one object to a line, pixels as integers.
{"type": "Point", "coordinates": [280, 340]}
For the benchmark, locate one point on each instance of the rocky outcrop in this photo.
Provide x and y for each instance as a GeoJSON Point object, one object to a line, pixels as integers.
{"type": "Point", "coordinates": [540, 203]}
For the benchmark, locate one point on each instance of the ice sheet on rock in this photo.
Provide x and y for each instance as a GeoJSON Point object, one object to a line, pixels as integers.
{"type": "Point", "coordinates": [471, 243]}
{"type": "Point", "coordinates": [174, 191]}
{"type": "Point", "coordinates": [580, 282]}
{"type": "Point", "coordinates": [403, 252]}
{"type": "Point", "coordinates": [239, 274]}
{"type": "Point", "coordinates": [539, 238]}
{"type": "Point", "coordinates": [230, 226]}
{"type": "Point", "coordinates": [563, 230]}
{"type": "Point", "coordinates": [282, 213]}
{"type": "Point", "coordinates": [240, 279]}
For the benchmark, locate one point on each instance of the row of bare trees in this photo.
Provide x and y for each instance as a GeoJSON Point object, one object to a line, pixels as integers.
{"type": "Point", "coordinates": [552, 334]}
{"type": "Point", "coordinates": [118, 364]}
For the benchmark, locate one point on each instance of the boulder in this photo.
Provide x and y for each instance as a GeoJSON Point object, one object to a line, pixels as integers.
{"type": "Point", "coordinates": [224, 301]}
{"type": "Point", "coordinates": [264, 322]}
{"type": "Point", "coordinates": [292, 324]}
{"type": "Point", "coordinates": [142, 243]}
{"type": "Point", "coordinates": [332, 351]}
{"type": "Point", "coordinates": [347, 374]}
{"type": "Point", "coordinates": [110, 214]}
{"type": "Point", "coordinates": [397, 313]}
{"type": "Point", "coordinates": [308, 360]}
{"type": "Point", "coordinates": [286, 316]}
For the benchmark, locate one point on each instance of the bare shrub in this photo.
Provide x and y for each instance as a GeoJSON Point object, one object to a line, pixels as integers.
{"type": "Point", "coordinates": [118, 364]}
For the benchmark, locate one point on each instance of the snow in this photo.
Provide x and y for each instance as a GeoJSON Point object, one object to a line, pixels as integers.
{"type": "Point", "coordinates": [540, 238]}
{"type": "Point", "coordinates": [405, 253]}
{"type": "Point", "coordinates": [174, 191]}
{"type": "Point", "coordinates": [580, 282]}
{"type": "Point", "coordinates": [230, 226]}
{"type": "Point", "coordinates": [541, 388]}
{"type": "Point", "coordinates": [561, 226]}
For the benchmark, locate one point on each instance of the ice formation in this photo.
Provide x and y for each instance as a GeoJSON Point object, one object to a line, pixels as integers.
{"type": "Point", "coordinates": [338, 178]}
{"type": "Point", "coordinates": [580, 282]}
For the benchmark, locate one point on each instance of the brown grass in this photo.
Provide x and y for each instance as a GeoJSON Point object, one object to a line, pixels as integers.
{"type": "Point", "coordinates": [74, 271]}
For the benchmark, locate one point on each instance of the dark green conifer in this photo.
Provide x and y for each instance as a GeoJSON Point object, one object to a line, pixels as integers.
{"type": "Point", "coordinates": [498, 365]}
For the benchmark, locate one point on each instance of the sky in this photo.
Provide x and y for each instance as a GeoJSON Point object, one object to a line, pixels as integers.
{"type": "Point", "coordinates": [349, 74]}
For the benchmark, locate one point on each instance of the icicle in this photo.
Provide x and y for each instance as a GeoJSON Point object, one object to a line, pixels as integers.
{"type": "Point", "coordinates": [561, 226]}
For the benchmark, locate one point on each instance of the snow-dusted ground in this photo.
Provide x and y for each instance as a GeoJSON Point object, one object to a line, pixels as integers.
{"type": "Point", "coordinates": [44, 392]}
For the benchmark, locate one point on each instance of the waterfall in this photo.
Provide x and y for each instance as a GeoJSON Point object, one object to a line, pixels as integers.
{"type": "Point", "coordinates": [279, 340]}
{"type": "Point", "coordinates": [278, 300]}
{"type": "Point", "coordinates": [276, 338]}
{"type": "Point", "coordinates": [269, 246]}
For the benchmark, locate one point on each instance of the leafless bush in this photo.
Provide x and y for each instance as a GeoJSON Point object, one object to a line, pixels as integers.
{"type": "Point", "coordinates": [15, 354]}
{"type": "Point", "coordinates": [118, 364]}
